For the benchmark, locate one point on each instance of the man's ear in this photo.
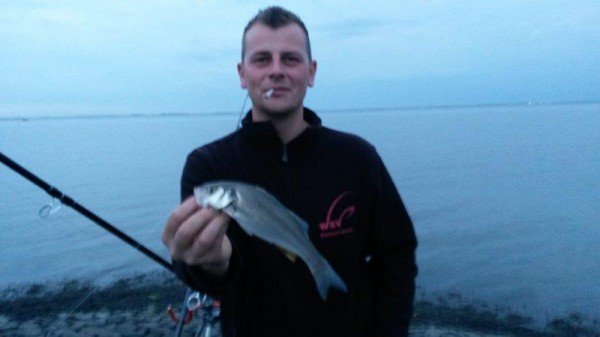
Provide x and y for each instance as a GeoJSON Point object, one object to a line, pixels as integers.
{"type": "Point", "coordinates": [312, 72]}
{"type": "Point", "coordinates": [240, 69]}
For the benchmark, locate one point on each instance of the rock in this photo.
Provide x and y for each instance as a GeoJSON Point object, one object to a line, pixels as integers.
{"type": "Point", "coordinates": [7, 324]}
{"type": "Point", "coordinates": [433, 331]}
{"type": "Point", "coordinates": [30, 328]}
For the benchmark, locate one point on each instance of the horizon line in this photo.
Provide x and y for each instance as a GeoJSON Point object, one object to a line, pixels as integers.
{"type": "Point", "coordinates": [325, 111]}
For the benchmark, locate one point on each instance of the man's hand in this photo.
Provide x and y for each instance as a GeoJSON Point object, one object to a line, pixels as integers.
{"type": "Point", "coordinates": [196, 236]}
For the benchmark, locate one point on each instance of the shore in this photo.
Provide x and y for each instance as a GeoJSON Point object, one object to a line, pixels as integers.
{"type": "Point", "coordinates": [137, 307]}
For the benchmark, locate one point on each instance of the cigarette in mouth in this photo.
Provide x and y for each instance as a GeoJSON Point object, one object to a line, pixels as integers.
{"type": "Point", "coordinates": [269, 93]}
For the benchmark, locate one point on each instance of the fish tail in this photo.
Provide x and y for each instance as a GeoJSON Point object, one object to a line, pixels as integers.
{"type": "Point", "coordinates": [325, 278]}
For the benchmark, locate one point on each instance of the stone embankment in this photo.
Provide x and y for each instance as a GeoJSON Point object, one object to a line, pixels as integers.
{"type": "Point", "coordinates": [137, 307]}
{"type": "Point", "coordinates": [149, 323]}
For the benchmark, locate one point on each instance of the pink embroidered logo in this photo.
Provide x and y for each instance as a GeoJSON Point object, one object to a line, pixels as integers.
{"type": "Point", "coordinates": [333, 224]}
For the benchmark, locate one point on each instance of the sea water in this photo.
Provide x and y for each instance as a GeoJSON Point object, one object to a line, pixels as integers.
{"type": "Point", "coordinates": [505, 199]}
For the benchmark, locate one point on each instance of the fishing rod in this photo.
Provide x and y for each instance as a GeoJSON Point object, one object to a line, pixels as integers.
{"type": "Point", "coordinates": [65, 199]}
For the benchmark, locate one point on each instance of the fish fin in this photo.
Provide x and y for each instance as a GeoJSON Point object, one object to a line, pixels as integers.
{"type": "Point", "coordinates": [290, 256]}
{"type": "Point", "coordinates": [325, 278]}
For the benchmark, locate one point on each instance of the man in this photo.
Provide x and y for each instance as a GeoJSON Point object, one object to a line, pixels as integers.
{"type": "Point", "coordinates": [335, 181]}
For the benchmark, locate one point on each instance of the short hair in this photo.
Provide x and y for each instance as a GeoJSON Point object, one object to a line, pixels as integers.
{"type": "Point", "coordinates": [276, 17]}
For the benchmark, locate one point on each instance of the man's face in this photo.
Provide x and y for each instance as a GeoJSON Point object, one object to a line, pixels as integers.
{"type": "Point", "coordinates": [276, 59]}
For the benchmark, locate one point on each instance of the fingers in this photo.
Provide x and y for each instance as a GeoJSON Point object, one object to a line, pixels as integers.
{"type": "Point", "coordinates": [196, 235]}
{"type": "Point", "coordinates": [179, 215]}
{"type": "Point", "coordinates": [191, 229]}
{"type": "Point", "coordinates": [213, 233]}
{"type": "Point", "coordinates": [204, 246]}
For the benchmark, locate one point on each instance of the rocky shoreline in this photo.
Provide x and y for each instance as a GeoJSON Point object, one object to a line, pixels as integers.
{"type": "Point", "coordinates": [137, 307]}
{"type": "Point", "coordinates": [117, 323]}
{"type": "Point", "coordinates": [148, 323]}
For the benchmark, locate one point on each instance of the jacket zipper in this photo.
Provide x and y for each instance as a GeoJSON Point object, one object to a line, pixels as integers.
{"type": "Point", "coordinates": [285, 174]}
{"type": "Point", "coordinates": [284, 156]}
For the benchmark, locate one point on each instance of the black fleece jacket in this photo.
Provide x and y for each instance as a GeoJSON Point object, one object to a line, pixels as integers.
{"type": "Point", "coordinates": [338, 184]}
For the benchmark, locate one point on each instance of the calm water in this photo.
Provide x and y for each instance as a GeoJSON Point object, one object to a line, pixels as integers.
{"type": "Point", "coordinates": [504, 199]}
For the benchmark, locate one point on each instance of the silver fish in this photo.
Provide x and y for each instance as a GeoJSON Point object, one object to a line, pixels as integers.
{"type": "Point", "coordinates": [261, 214]}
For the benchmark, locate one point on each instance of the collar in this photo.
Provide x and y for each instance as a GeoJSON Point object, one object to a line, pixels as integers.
{"type": "Point", "coordinates": [264, 133]}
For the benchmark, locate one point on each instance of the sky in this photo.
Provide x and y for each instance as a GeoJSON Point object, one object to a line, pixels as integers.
{"type": "Point", "coordinates": [136, 57]}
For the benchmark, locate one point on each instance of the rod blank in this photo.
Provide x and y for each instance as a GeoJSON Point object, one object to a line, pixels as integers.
{"type": "Point", "coordinates": [65, 199]}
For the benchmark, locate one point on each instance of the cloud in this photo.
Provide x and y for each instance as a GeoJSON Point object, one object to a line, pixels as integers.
{"type": "Point", "coordinates": [352, 27]}
{"type": "Point", "coordinates": [132, 53]}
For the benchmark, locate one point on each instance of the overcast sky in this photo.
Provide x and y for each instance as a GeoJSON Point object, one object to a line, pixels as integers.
{"type": "Point", "coordinates": [115, 56]}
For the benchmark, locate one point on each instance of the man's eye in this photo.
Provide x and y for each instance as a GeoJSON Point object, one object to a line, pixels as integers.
{"type": "Point", "coordinates": [261, 60]}
{"type": "Point", "coordinates": [291, 59]}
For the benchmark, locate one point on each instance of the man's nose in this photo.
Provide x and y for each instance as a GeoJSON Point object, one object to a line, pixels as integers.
{"type": "Point", "coordinates": [276, 69]}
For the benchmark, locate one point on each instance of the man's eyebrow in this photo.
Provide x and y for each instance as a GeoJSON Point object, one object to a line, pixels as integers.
{"type": "Point", "coordinates": [293, 53]}
{"type": "Point", "coordinates": [260, 53]}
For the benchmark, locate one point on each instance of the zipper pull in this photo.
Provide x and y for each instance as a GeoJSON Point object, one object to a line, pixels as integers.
{"type": "Point", "coordinates": [284, 156]}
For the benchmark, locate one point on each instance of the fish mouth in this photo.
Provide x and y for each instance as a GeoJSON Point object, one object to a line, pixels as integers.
{"type": "Point", "coordinates": [216, 197]}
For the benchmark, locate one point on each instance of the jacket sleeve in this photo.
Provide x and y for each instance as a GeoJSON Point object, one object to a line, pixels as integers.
{"type": "Point", "coordinates": [393, 244]}
{"type": "Point", "coordinates": [198, 170]}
